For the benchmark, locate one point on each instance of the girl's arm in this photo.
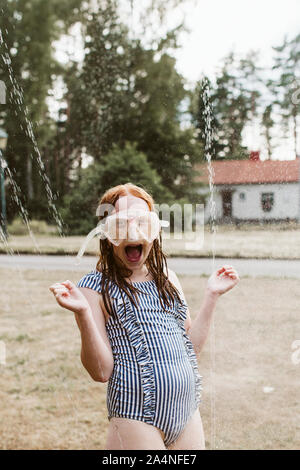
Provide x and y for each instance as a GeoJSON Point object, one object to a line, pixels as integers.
{"type": "Point", "coordinates": [219, 282]}
{"type": "Point", "coordinates": [199, 328]}
{"type": "Point", "coordinates": [96, 353]}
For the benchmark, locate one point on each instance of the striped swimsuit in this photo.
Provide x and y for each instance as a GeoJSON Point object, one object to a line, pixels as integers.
{"type": "Point", "coordinates": [155, 378]}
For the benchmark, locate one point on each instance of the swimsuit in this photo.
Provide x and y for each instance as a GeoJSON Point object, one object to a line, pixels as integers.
{"type": "Point", "coordinates": [155, 378]}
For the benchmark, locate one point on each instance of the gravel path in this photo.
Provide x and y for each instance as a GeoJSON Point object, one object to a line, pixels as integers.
{"type": "Point", "coordinates": [188, 266]}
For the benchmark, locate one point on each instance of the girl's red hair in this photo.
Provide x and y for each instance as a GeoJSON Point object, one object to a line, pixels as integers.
{"type": "Point", "coordinates": [117, 272]}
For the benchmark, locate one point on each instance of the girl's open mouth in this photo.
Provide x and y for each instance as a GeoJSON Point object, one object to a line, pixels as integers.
{"type": "Point", "coordinates": [133, 253]}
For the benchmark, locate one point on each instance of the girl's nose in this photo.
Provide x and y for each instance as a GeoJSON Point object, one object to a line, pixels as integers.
{"type": "Point", "coordinates": [132, 230]}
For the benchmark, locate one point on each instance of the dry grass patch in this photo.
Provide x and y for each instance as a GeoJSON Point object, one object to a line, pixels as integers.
{"type": "Point", "coordinates": [49, 401]}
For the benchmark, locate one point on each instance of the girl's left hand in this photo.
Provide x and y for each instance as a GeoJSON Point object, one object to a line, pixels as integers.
{"type": "Point", "coordinates": [223, 280]}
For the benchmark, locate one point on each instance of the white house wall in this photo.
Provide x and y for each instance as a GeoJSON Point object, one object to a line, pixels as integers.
{"type": "Point", "coordinates": [286, 201]}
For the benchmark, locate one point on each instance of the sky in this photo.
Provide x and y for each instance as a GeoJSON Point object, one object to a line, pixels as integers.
{"type": "Point", "coordinates": [216, 27]}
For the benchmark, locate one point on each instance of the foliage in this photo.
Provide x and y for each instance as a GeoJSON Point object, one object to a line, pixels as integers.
{"type": "Point", "coordinates": [119, 166]}
{"type": "Point", "coordinates": [128, 93]}
{"type": "Point", "coordinates": [286, 87]}
{"type": "Point", "coordinates": [38, 227]}
{"type": "Point", "coordinates": [234, 100]}
{"type": "Point", "coordinates": [28, 29]}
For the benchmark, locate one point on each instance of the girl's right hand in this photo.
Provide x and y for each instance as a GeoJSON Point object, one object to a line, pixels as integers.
{"type": "Point", "coordinates": [69, 296]}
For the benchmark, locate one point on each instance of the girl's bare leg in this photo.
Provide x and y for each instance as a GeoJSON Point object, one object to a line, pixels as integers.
{"type": "Point", "coordinates": [130, 434]}
{"type": "Point", "coordinates": [192, 437]}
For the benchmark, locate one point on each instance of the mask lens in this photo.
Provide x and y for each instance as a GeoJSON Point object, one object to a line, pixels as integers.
{"type": "Point", "coordinates": [116, 228]}
{"type": "Point", "coordinates": [143, 225]}
{"type": "Point", "coordinates": [132, 226]}
{"type": "Point", "coordinates": [154, 226]}
{"type": "Point", "coordinates": [148, 225]}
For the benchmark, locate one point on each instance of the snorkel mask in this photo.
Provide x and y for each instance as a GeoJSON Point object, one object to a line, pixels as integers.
{"type": "Point", "coordinates": [131, 225]}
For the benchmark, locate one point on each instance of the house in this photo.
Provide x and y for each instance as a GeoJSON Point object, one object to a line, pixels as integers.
{"type": "Point", "coordinates": [253, 190]}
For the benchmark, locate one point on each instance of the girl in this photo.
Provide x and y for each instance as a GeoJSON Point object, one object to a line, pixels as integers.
{"type": "Point", "coordinates": [136, 330]}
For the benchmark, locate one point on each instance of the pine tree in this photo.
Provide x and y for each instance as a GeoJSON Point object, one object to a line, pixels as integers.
{"type": "Point", "coordinates": [28, 28]}
{"type": "Point", "coordinates": [286, 86]}
{"type": "Point", "coordinates": [268, 124]}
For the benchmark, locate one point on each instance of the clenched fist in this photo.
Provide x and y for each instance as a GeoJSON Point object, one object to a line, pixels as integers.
{"type": "Point", "coordinates": [69, 296]}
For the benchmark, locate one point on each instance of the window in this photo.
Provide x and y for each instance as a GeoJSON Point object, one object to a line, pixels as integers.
{"type": "Point", "coordinates": [242, 196]}
{"type": "Point", "coordinates": [267, 201]}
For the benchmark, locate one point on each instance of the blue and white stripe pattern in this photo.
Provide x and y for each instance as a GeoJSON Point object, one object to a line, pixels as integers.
{"type": "Point", "coordinates": [155, 377]}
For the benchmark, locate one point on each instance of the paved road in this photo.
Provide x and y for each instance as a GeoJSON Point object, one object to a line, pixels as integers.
{"type": "Point", "coordinates": [191, 266]}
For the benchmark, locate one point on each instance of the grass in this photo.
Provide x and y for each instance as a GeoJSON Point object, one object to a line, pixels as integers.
{"type": "Point", "coordinates": [281, 241]}
{"type": "Point", "coordinates": [50, 402]}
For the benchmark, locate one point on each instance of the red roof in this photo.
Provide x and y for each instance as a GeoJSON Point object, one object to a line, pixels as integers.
{"type": "Point", "coordinates": [248, 171]}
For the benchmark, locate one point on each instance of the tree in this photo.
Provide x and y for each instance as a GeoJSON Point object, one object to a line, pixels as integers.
{"type": "Point", "coordinates": [28, 29]}
{"type": "Point", "coordinates": [234, 98]}
{"type": "Point", "coordinates": [119, 166]}
{"type": "Point", "coordinates": [286, 86]}
{"type": "Point", "coordinates": [123, 91]}
{"type": "Point", "coordinates": [128, 93]}
{"type": "Point", "coordinates": [267, 125]}
{"type": "Point", "coordinates": [154, 120]}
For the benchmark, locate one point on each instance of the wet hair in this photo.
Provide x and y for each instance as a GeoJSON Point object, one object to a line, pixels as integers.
{"type": "Point", "coordinates": [115, 270]}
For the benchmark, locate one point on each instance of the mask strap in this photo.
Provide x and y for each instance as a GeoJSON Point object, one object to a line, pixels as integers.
{"type": "Point", "coordinates": [97, 230]}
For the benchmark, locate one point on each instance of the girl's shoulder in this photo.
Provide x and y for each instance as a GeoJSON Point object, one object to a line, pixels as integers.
{"type": "Point", "coordinates": [92, 280]}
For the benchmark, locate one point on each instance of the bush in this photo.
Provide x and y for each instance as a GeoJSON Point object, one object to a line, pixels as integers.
{"type": "Point", "coordinates": [38, 227]}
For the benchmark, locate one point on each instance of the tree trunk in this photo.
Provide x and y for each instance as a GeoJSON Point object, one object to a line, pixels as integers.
{"type": "Point", "coordinates": [268, 136]}
{"type": "Point", "coordinates": [29, 178]}
{"type": "Point", "coordinates": [295, 130]}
